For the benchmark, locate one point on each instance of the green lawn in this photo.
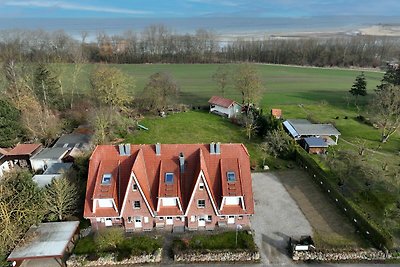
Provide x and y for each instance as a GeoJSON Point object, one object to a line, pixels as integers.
{"type": "Point", "coordinates": [193, 127]}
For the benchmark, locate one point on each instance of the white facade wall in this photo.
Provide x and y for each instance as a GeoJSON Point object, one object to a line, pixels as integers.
{"type": "Point", "coordinates": [39, 164]}
{"type": "Point", "coordinates": [230, 112]}
{"type": "Point", "coordinates": [5, 167]}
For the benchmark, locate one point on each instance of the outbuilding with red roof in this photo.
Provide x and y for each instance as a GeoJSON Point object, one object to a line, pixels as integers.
{"type": "Point", "coordinates": [224, 106]}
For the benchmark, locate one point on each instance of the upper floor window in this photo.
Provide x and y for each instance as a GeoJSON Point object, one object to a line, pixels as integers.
{"type": "Point", "coordinates": [134, 187]}
{"type": "Point", "coordinates": [231, 176]}
{"type": "Point", "coordinates": [169, 178]}
{"type": "Point", "coordinates": [201, 186]}
{"type": "Point", "coordinates": [106, 179]}
{"type": "Point", "coordinates": [201, 203]}
{"type": "Point", "coordinates": [136, 204]}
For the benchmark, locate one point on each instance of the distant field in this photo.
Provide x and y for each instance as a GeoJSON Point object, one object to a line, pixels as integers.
{"type": "Point", "coordinates": [282, 84]}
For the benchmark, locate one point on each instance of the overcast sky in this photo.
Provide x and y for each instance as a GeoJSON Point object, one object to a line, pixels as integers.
{"type": "Point", "coordinates": [196, 8]}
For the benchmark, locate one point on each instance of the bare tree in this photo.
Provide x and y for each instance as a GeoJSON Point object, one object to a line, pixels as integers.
{"type": "Point", "coordinates": [221, 77]}
{"type": "Point", "coordinates": [386, 106]}
{"type": "Point", "coordinates": [61, 198]}
{"type": "Point", "coordinates": [248, 83]}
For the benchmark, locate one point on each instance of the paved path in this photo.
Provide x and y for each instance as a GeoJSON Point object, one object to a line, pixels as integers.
{"type": "Point", "coordinates": [277, 217]}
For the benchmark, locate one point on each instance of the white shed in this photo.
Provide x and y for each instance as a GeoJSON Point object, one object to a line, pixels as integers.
{"type": "Point", "coordinates": [224, 106]}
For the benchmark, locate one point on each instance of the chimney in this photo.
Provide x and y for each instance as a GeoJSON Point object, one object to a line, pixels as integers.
{"type": "Point", "coordinates": [158, 149]}
{"type": "Point", "coordinates": [121, 150]}
{"type": "Point", "coordinates": [212, 148]}
{"type": "Point", "coordinates": [182, 162]}
{"type": "Point", "coordinates": [127, 149]}
{"type": "Point", "coordinates": [218, 148]}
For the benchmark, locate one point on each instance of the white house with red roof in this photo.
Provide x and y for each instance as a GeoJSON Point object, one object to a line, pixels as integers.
{"type": "Point", "coordinates": [224, 106]}
{"type": "Point", "coordinates": [169, 186]}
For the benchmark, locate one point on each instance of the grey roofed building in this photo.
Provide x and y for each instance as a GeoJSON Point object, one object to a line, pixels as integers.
{"type": "Point", "coordinates": [58, 168]}
{"type": "Point", "coordinates": [74, 140]}
{"type": "Point", "coordinates": [46, 244]}
{"type": "Point", "coordinates": [45, 179]}
{"type": "Point", "coordinates": [48, 156]}
{"type": "Point", "coordinates": [52, 153]}
{"type": "Point", "coordinates": [315, 142]}
{"type": "Point", "coordinates": [301, 128]}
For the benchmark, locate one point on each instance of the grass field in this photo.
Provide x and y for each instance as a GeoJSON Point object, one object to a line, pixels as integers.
{"type": "Point", "coordinates": [319, 94]}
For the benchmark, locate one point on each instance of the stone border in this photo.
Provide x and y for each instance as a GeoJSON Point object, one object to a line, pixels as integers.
{"type": "Point", "coordinates": [341, 256]}
{"type": "Point", "coordinates": [217, 256]}
{"type": "Point", "coordinates": [110, 259]}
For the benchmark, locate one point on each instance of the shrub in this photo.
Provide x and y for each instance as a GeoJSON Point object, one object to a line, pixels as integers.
{"type": "Point", "coordinates": [109, 238]}
{"type": "Point", "coordinates": [85, 245]}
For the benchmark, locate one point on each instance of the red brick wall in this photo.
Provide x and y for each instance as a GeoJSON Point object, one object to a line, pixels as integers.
{"type": "Point", "coordinates": [130, 211]}
{"type": "Point", "coordinates": [193, 210]}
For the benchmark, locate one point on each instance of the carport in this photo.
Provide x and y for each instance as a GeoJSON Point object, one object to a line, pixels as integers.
{"type": "Point", "coordinates": [46, 245]}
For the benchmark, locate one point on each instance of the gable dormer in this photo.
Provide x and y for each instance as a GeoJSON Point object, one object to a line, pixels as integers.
{"type": "Point", "coordinates": [231, 181]}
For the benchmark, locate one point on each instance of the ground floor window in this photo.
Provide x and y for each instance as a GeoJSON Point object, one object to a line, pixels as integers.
{"type": "Point", "coordinates": [129, 219]}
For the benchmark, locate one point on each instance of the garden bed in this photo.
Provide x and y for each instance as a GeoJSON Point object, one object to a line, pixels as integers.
{"type": "Point", "coordinates": [228, 246]}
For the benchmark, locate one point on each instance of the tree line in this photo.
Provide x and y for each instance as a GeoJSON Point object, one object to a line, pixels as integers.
{"type": "Point", "coordinates": [158, 44]}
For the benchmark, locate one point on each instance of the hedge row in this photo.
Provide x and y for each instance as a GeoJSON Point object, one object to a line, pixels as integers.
{"type": "Point", "coordinates": [377, 235]}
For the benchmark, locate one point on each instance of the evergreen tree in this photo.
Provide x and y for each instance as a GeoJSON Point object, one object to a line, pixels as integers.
{"type": "Point", "coordinates": [391, 77]}
{"type": "Point", "coordinates": [47, 88]}
{"type": "Point", "coordinates": [10, 124]}
{"type": "Point", "coordinates": [359, 87]}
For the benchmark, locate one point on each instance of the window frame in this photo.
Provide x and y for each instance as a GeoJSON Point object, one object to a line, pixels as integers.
{"type": "Point", "coordinates": [203, 205]}
{"type": "Point", "coordinates": [135, 206]}
{"type": "Point", "coordinates": [134, 187]}
{"type": "Point", "coordinates": [106, 179]}
{"type": "Point", "coordinates": [169, 174]}
{"type": "Point", "coordinates": [229, 176]}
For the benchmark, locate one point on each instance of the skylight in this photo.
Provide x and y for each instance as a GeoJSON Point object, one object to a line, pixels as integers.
{"type": "Point", "coordinates": [169, 178]}
{"type": "Point", "coordinates": [231, 176]}
{"type": "Point", "coordinates": [106, 179]}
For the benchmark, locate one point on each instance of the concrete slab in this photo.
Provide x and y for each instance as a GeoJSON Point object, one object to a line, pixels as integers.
{"type": "Point", "coordinates": [277, 217]}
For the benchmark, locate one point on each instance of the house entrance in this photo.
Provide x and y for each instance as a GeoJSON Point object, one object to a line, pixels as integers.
{"type": "Point", "coordinates": [201, 221]}
{"type": "Point", "coordinates": [138, 222]}
{"type": "Point", "coordinates": [169, 221]}
{"type": "Point", "coordinates": [231, 219]}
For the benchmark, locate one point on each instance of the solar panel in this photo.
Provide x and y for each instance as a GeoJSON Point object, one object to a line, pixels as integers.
{"type": "Point", "coordinates": [169, 178]}
{"type": "Point", "coordinates": [231, 176]}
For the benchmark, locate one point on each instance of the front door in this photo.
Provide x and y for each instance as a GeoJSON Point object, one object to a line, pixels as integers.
{"type": "Point", "coordinates": [169, 221]}
{"type": "Point", "coordinates": [231, 219]}
{"type": "Point", "coordinates": [108, 222]}
{"type": "Point", "coordinates": [201, 221]}
{"type": "Point", "coordinates": [138, 222]}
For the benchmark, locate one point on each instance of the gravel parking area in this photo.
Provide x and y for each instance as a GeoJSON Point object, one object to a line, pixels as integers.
{"type": "Point", "coordinates": [277, 217]}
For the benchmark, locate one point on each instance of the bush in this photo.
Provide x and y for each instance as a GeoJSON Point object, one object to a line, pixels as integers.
{"type": "Point", "coordinates": [138, 245]}
{"type": "Point", "coordinates": [85, 245]}
{"type": "Point", "coordinates": [109, 238]}
{"type": "Point", "coordinates": [226, 240]}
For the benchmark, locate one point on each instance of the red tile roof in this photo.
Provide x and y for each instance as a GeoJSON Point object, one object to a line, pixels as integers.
{"type": "Point", "coordinates": [220, 101]}
{"type": "Point", "coordinates": [149, 170]}
{"type": "Point", "coordinates": [24, 149]}
{"type": "Point", "coordinates": [277, 113]}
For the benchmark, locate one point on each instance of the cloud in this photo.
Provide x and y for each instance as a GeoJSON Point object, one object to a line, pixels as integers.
{"type": "Point", "coordinates": [71, 6]}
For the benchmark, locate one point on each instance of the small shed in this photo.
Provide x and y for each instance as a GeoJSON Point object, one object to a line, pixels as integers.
{"type": "Point", "coordinates": [55, 171]}
{"type": "Point", "coordinates": [20, 155]}
{"type": "Point", "coordinates": [314, 145]}
{"type": "Point", "coordinates": [224, 106]}
{"type": "Point", "coordinates": [276, 113]}
{"type": "Point", "coordinates": [5, 164]}
{"type": "Point", "coordinates": [46, 245]}
{"type": "Point", "coordinates": [79, 141]}
{"type": "Point", "coordinates": [49, 156]}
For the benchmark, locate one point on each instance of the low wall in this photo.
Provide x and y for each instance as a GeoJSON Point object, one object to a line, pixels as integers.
{"type": "Point", "coordinates": [110, 259]}
{"type": "Point", "coordinates": [333, 256]}
{"type": "Point", "coordinates": [217, 256]}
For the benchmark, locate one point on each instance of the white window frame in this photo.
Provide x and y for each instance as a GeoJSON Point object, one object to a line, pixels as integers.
{"type": "Point", "coordinates": [134, 187]}
{"type": "Point", "coordinates": [201, 206]}
{"type": "Point", "coordinates": [201, 186]}
{"type": "Point", "coordinates": [129, 219]}
{"type": "Point", "coordinates": [134, 204]}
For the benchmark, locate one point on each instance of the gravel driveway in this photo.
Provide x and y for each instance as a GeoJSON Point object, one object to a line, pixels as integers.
{"type": "Point", "coordinates": [277, 217]}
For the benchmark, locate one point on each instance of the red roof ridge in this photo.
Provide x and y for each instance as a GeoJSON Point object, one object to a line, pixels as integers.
{"type": "Point", "coordinates": [221, 101]}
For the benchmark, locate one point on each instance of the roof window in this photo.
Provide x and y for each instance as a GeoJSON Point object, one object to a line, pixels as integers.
{"type": "Point", "coordinates": [169, 178]}
{"type": "Point", "coordinates": [106, 179]}
{"type": "Point", "coordinates": [231, 176]}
